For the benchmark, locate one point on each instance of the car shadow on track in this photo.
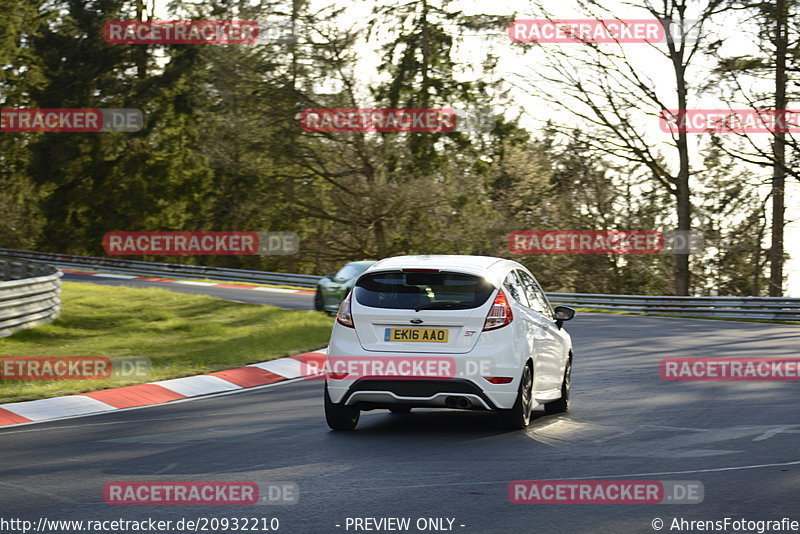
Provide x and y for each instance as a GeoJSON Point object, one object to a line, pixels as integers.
{"type": "Point", "coordinates": [433, 422]}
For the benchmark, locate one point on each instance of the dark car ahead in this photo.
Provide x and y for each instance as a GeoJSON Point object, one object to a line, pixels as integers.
{"type": "Point", "coordinates": [333, 288]}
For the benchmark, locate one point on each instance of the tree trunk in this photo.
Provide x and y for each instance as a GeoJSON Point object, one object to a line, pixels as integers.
{"type": "Point", "coordinates": [682, 191]}
{"type": "Point", "coordinates": [779, 153]}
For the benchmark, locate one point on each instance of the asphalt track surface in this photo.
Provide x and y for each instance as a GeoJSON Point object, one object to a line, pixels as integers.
{"type": "Point", "coordinates": [741, 440]}
{"type": "Point", "coordinates": [290, 301]}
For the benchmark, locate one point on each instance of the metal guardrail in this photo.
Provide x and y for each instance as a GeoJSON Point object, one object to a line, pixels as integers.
{"type": "Point", "coordinates": [781, 308]}
{"type": "Point", "coordinates": [771, 308]}
{"type": "Point", "coordinates": [144, 268]}
{"type": "Point", "coordinates": [29, 295]}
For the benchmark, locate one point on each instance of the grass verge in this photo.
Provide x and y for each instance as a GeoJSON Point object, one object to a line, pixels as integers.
{"type": "Point", "coordinates": [181, 334]}
{"type": "Point", "coordinates": [208, 280]}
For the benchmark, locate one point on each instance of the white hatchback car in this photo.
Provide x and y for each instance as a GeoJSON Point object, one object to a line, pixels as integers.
{"type": "Point", "coordinates": [464, 332]}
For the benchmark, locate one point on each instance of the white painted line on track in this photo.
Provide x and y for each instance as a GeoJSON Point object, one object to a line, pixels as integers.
{"type": "Point", "coordinates": [774, 432]}
{"type": "Point", "coordinates": [190, 283]}
{"type": "Point", "coordinates": [121, 276]}
{"type": "Point", "coordinates": [393, 487]}
{"type": "Point", "coordinates": [693, 471]}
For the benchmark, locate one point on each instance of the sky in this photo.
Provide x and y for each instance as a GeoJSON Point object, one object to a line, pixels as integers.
{"type": "Point", "coordinates": [534, 111]}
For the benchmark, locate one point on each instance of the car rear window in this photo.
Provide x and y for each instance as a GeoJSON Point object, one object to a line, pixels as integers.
{"type": "Point", "coordinates": [406, 291]}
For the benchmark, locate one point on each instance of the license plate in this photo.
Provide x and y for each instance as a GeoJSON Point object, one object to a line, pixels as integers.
{"type": "Point", "coordinates": [422, 335]}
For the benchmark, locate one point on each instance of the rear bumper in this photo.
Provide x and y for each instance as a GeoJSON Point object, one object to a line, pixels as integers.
{"type": "Point", "coordinates": [493, 355]}
{"type": "Point", "coordinates": [371, 393]}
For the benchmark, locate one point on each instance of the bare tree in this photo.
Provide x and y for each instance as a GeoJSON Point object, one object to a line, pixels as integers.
{"type": "Point", "coordinates": [604, 84]}
{"type": "Point", "coordinates": [778, 45]}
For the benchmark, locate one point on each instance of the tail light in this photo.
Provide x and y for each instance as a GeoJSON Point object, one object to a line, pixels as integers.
{"type": "Point", "coordinates": [499, 379]}
{"type": "Point", "coordinates": [343, 316]}
{"type": "Point", "coordinates": [336, 376]}
{"type": "Point", "coordinates": [499, 314]}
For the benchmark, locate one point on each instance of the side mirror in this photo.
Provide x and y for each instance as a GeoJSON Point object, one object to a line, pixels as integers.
{"type": "Point", "coordinates": [329, 276]}
{"type": "Point", "coordinates": [563, 313]}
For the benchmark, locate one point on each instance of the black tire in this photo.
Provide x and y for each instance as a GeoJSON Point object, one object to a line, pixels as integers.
{"type": "Point", "coordinates": [318, 304]}
{"type": "Point", "coordinates": [561, 405]}
{"type": "Point", "coordinates": [400, 409]}
{"type": "Point", "coordinates": [519, 416]}
{"type": "Point", "coordinates": [340, 417]}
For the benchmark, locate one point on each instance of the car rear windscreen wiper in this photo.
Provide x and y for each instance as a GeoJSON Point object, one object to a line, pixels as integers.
{"type": "Point", "coordinates": [442, 306]}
